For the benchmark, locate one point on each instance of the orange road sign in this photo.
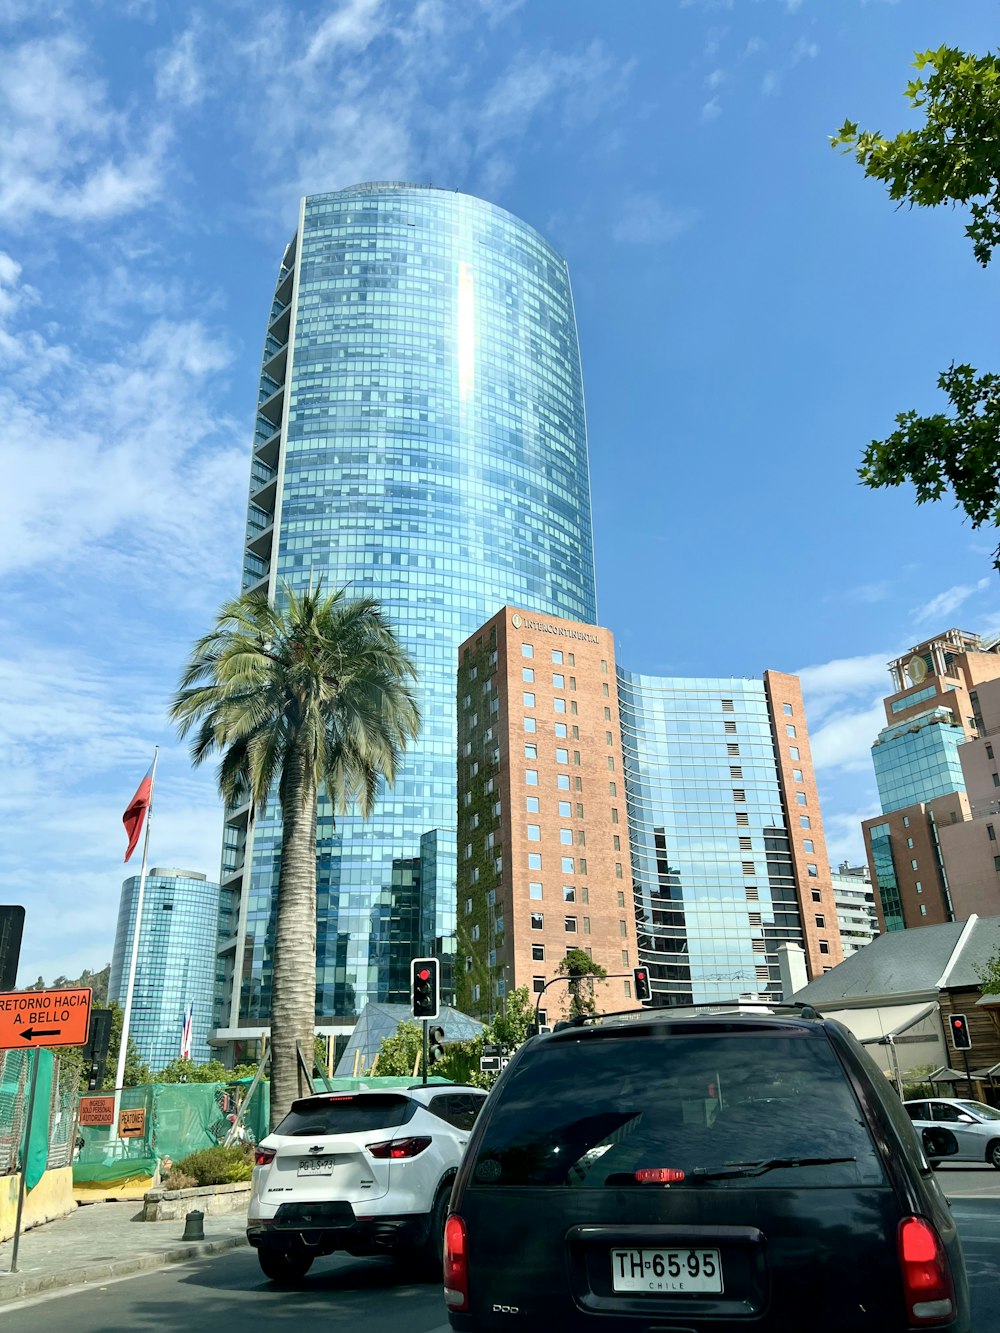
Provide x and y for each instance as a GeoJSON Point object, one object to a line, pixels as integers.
{"type": "Point", "coordinates": [132, 1124]}
{"type": "Point", "coordinates": [97, 1110]}
{"type": "Point", "coordinates": [44, 1018]}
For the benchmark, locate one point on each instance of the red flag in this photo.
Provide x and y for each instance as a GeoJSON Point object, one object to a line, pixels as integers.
{"type": "Point", "coordinates": [136, 812]}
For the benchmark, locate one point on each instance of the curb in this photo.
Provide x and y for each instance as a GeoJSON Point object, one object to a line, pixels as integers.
{"type": "Point", "coordinates": [16, 1286]}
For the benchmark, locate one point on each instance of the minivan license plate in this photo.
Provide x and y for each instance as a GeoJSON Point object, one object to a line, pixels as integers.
{"type": "Point", "coordinates": [666, 1270]}
{"type": "Point", "coordinates": [316, 1166]}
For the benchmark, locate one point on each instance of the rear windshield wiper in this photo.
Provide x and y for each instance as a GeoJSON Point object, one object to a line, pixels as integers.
{"type": "Point", "coordinates": [759, 1168]}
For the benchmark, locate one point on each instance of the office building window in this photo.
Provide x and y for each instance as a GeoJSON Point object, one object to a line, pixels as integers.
{"type": "Point", "coordinates": [527, 650]}
{"type": "Point", "coordinates": [787, 709]}
{"type": "Point", "coordinates": [531, 777]}
{"type": "Point", "coordinates": [567, 865]}
{"type": "Point", "coordinates": [562, 781]}
{"type": "Point", "coordinates": [562, 756]}
{"type": "Point", "coordinates": [530, 724]}
{"type": "Point", "coordinates": [790, 730]}
{"type": "Point", "coordinates": [537, 920]}
{"type": "Point", "coordinates": [528, 699]}
{"type": "Point", "coordinates": [793, 752]}
{"type": "Point", "coordinates": [558, 682]}
{"type": "Point", "coordinates": [800, 798]}
{"type": "Point", "coordinates": [532, 802]}
{"type": "Point", "coordinates": [566, 837]}
{"type": "Point", "coordinates": [923, 909]}
{"type": "Point", "coordinates": [569, 923]}
{"type": "Point", "coordinates": [821, 922]}
{"type": "Point", "coordinates": [557, 657]}
{"type": "Point", "coordinates": [528, 675]}
{"type": "Point", "coordinates": [538, 984]}
{"type": "Point", "coordinates": [560, 730]}
{"type": "Point", "coordinates": [621, 898]}
{"type": "Point", "coordinates": [534, 832]}
{"type": "Point", "coordinates": [531, 752]}
{"type": "Point", "coordinates": [534, 890]}
{"type": "Point", "coordinates": [824, 946]}
{"type": "Point", "coordinates": [534, 860]}
{"type": "Point", "coordinates": [804, 821]}
{"type": "Point", "coordinates": [538, 953]}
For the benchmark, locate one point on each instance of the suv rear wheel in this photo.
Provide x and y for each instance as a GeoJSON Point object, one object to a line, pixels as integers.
{"type": "Point", "coordinates": [425, 1260]}
{"type": "Point", "coordinates": [284, 1265]}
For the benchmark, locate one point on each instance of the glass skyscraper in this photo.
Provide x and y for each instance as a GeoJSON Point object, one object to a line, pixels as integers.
{"type": "Point", "coordinates": [420, 437]}
{"type": "Point", "coordinates": [728, 856]}
{"type": "Point", "coordinates": [175, 965]}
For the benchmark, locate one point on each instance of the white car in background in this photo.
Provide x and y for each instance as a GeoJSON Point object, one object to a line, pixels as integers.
{"type": "Point", "coordinates": [369, 1172]}
{"type": "Point", "coordinates": [975, 1125]}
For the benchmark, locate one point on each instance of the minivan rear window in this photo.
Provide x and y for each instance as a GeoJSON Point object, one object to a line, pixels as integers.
{"type": "Point", "coordinates": [610, 1112]}
{"type": "Point", "coordinates": [344, 1114]}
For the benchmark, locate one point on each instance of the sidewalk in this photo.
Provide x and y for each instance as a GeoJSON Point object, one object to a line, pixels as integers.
{"type": "Point", "coordinates": [100, 1241]}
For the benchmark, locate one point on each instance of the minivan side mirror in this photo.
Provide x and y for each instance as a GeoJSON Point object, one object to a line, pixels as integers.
{"type": "Point", "coordinates": [939, 1142]}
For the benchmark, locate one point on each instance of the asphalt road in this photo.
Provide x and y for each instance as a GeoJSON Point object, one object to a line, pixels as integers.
{"type": "Point", "coordinates": [228, 1292]}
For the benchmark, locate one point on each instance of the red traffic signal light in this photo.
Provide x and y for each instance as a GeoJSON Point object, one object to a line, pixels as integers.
{"type": "Point", "coordinates": [960, 1038]}
{"type": "Point", "coordinates": [425, 988]}
{"type": "Point", "coordinates": [643, 990]}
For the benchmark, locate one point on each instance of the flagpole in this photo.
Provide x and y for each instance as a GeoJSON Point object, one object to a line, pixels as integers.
{"type": "Point", "coordinates": [134, 957]}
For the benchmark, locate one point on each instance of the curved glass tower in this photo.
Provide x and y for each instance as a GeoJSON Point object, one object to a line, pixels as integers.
{"type": "Point", "coordinates": [175, 964]}
{"type": "Point", "coordinates": [421, 437]}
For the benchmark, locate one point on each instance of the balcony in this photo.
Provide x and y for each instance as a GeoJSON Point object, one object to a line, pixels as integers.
{"type": "Point", "coordinates": [271, 408]}
{"type": "Point", "coordinates": [266, 451]}
{"type": "Point", "coordinates": [281, 323]}
{"type": "Point", "coordinates": [274, 366]}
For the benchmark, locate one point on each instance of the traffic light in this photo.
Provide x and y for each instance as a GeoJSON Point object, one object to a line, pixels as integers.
{"type": "Point", "coordinates": [425, 989]}
{"type": "Point", "coordinates": [643, 990]}
{"type": "Point", "coordinates": [960, 1038]}
{"type": "Point", "coordinates": [435, 1045]}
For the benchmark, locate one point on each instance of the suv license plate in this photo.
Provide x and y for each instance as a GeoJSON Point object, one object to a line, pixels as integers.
{"type": "Point", "coordinates": [666, 1270]}
{"type": "Point", "coordinates": [316, 1166]}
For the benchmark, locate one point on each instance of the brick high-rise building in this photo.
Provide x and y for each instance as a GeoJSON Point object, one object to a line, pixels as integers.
{"type": "Point", "coordinates": [664, 822]}
{"type": "Point", "coordinates": [929, 851]}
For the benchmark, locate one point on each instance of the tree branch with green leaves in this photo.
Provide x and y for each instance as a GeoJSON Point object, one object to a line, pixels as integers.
{"type": "Point", "coordinates": [953, 157]}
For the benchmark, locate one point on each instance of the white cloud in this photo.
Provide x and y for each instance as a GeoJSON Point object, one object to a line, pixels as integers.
{"type": "Point", "coordinates": [804, 49]}
{"type": "Point", "coordinates": [574, 86]}
{"type": "Point", "coordinates": [646, 220]}
{"type": "Point", "coordinates": [845, 739]}
{"type": "Point", "coordinates": [178, 73]}
{"type": "Point", "coordinates": [770, 83]}
{"type": "Point", "coordinates": [716, 79]}
{"type": "Point", "coordinates": [844, 839]}
{"type": "Point", "coordinates": [125, 449]}
{"type": "Point", "coordinates": [352, 26]}
{"type": "Point", "coordinates": [946, 603]}
{"type": "Point", "coordinates": [754, 45]}
{"type": "Point", "coordinates": [711, 110]}
{"type": "Point", "coordinates": [830, 682]}
{"type": "Point", "coordinates": [65, 152]}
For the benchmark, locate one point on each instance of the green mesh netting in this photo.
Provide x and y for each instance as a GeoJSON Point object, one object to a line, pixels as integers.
{"type": "Point", "coordinates": [180, 1119]}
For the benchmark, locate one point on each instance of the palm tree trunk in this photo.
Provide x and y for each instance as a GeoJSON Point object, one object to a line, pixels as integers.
{"type": "Point", "coordinates": [293, 983]}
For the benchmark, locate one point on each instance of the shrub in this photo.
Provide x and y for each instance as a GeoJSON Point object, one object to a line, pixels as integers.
{"type": "Point", "coordinates": [176, 1179]}
{"type": "Point", "coordinates": [217, 1166]}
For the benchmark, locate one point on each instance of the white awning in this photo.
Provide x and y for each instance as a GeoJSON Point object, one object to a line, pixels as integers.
{"type": "Point", "coordinates": [871, 1026]}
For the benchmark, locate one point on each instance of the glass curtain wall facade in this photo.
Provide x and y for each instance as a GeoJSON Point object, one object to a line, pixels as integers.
{"type": "Point", "coordinates": [713, 879]}
{"type": "Point", "coordinates": [917, 760]}
{"type": "Point", "coordinates": [175, 965]}
{"type": "Point", "coordinates": [421, 437]}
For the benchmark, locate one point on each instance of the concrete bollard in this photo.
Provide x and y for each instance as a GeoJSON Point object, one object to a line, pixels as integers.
{"type": "Point", "coordinates": [194, 1226]}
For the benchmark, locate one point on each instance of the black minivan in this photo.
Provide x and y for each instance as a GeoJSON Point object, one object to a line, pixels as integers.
{"type": "Point", "coordinates": [704, 1174]}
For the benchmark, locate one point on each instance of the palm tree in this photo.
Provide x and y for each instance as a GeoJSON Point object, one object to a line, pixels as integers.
{"type": "Point", "coordinates": [314, 694]}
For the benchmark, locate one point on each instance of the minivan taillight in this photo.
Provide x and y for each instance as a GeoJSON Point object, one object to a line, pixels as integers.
{"type": "Point", "coordinates": [397, 1149]}
{"type": "Point", "coordinates": [456, 1264]}
{"type": "Point", "coordinates": [927, 1285]}
{"type": "Point", "coordinates": [264, 1156]}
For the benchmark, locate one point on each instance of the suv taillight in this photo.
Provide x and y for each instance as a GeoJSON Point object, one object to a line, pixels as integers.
{"type": "Point", "coordinates": [927, 1285]}
{"type": "Point", "coordinates": [456, 1265]}
{"type": "Point", "coordinates": [397, 1149]}
{"type": "Point", "coordinates": [264, 1156]}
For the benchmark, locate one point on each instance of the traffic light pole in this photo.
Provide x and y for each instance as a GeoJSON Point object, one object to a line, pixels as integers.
{"type": "Point", "coordinates": [425, 1025]}
{"type": "Point", "coordinates": [610, 976]}
{"type": "Point", "coordinates": [968, 1076]}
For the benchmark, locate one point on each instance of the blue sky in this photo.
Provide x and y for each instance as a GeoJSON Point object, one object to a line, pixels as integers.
{"type": "Point", "coordinates": [752, 312]}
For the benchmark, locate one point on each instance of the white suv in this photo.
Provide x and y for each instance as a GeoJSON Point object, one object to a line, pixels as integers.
{"type": "Point", "coordinates": [367, 1172]}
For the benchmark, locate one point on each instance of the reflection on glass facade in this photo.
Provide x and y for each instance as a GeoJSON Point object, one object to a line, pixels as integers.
{"type": "Point", "coordinates": [175, 966]}
{"type": "Point", "coordinates": [420, 437]}
{"type": "Point", "coordinates": [712, 869]}
{"type": "Point", "coordinates": [885, 876]}
{"type": "Point", "coordinates": [917, 760]}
